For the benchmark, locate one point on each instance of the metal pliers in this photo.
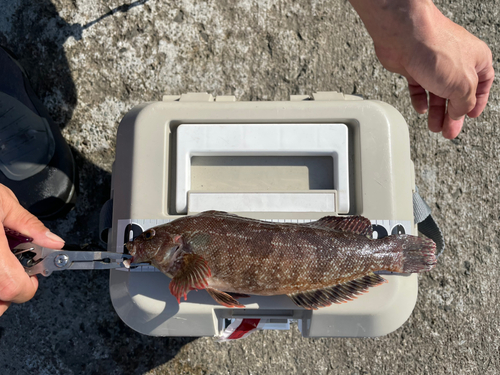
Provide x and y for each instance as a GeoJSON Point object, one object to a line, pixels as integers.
{"type": "Point", "coordinates": [41, 260]}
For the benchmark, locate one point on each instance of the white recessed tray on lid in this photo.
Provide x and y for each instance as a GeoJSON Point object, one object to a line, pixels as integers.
{"type": "Point", "coordinates": [263, 140]}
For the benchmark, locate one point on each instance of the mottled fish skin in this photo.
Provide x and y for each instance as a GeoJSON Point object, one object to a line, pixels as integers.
{"type": "Point", "coordinates": [263, 258]}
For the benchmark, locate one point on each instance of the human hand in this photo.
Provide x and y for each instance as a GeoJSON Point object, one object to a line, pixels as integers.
{"type": "Point", "coordinates": [15, 284]}
{"type": "Point", "coordinates": [449, 70]}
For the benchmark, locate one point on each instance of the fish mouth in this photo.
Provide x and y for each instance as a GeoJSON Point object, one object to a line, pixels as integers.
{"type": "Point", "coordinates": [132, 251]}
{"type": "Point", "coordinates": [128, 262]}
{"type": "Point", "coordinates": [130, 247]}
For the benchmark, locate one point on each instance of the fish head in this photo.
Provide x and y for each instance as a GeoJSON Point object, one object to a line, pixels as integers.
{"type": "Point", "coordinates": [148, 244]}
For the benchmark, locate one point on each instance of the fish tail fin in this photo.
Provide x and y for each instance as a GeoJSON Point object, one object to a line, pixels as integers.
{"type": "Point", "coordinates": [418, 254]}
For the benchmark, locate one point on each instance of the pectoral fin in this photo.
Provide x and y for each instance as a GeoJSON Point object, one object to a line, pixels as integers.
{"type": "Point", "coordinates": [192, 274]}
{"type": "Point", "coordinates": [223, 298]}
{"type": "Point", "coordinates": [314, 299]}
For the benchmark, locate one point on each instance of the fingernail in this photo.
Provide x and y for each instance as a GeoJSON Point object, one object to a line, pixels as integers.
{"type": "Point", "coordinates": [53, 237]}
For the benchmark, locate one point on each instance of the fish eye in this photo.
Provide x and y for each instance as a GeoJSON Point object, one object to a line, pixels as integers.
{"type": "Point", "coordinates": [149, 234]}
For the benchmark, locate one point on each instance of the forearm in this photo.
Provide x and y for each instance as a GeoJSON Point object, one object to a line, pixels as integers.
{"type": "Point", "coordinates": [449, 70]}
{"type": "Point", "coordinates": [390, 23]}
{"type": "Point", "coordinates": [379, 16]}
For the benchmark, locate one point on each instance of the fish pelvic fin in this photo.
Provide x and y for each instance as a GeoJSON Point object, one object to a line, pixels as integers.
{"type": "Point", "coordinates": [238, 295]}
{"type": "Point", "coordinates": [192, 274]}
{"type": "Point", "coordinates": [352, 224]}
{"type": "Point", "coordinates": [418, 254]}
{"type": "Point", "coordinates": [341, 293]}
{"type": "Point", "coordinates": [223, 298]}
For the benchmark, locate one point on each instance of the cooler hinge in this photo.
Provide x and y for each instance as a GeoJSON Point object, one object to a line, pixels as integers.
{"type": "Point", "coordinates": [196, 97]}
{"type": "Point", "coordinates": [325, 96]}
{"type": "Point", "coordinates": [334, 95]}
{"type": "Point", "coordinates": [205, 97]}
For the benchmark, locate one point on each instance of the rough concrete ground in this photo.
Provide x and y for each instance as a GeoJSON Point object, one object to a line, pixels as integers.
{"type": "Point", "coordinates": [92, 61]}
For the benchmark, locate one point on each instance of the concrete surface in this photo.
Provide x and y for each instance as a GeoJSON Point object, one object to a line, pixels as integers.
{"type": "Point", "coordinates": [92, 61]}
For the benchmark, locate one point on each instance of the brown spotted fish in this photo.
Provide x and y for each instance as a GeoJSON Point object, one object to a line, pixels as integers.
{"type": "Point", "coordinates": [331, 260]}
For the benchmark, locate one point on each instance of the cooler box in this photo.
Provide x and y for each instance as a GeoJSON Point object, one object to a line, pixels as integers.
{"type": "Point", "coordinates": [295, 161]}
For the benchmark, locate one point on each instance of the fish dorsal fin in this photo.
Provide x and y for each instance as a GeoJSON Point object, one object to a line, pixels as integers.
{"type": "Point", "coordinates": [314, 299]}
{"type": "Point", "coordinates": [215, 213]}
{"type": "Point", "coordinates": [192, 274]}
{"type": "Point", "coordinates": [353, 224]}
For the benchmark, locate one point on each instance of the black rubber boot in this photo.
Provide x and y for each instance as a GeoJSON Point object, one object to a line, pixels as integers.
{"type": "Point", "coordinates": [35, 161]}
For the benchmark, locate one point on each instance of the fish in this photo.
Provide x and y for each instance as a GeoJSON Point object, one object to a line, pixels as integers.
{"type": "Point", "coordinates": [316, 264]}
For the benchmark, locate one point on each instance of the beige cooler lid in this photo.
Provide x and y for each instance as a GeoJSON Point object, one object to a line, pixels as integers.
{"type": "Point", "coordinates": [378, 178]}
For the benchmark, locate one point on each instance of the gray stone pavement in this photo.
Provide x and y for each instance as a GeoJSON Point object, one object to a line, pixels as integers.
{"type": "Point", "coordinates": [92, 61]}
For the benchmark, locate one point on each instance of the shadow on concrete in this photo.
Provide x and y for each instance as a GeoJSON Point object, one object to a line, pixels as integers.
{"type": "Point", "coordinates": [138, 353]}
{"type": "Point", "coordinates": [37, 36]}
